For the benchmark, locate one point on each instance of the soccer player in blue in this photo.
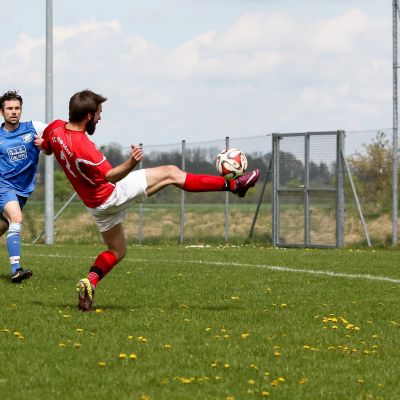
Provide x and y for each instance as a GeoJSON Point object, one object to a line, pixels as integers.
{"type": "Point", "coordinates": [18, 164]}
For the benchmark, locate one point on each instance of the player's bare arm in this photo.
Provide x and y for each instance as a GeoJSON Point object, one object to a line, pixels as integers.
{"type": "Point", "coordinates": [38, 143]}
{"type": "Point", "coordinates": [121, 171]}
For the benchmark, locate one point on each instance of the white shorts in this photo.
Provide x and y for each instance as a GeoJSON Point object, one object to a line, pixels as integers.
{"type": "Point", "coordinates": [128, 191]}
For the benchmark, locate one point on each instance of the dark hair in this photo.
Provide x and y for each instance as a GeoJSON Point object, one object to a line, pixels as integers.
{"type": "Point", "coordinates": [10, 95]}
{"type": "Point", "coordinates": [83, 103]}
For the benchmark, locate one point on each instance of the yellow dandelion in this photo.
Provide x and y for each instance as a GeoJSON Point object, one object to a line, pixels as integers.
{"type": "Point", "coordinates": [208, 329]}
{"type": "Point", "coordinates": [101, 363]}
{"type": "Point", "coordinates": [99, 310]}
{"type": "Point", "coordinates": [226, 365]}
{"type": "Point", "coordinates": [265, 393]}
{"type": "Point", "coordinates": [235, 298]}
{"type": "Point", "coordinates": [122, 355]}
{"type": "Point", "coordinates": [130, 337]}
{"type": "Point", "coordinates": [165, 381]}
{"type": "Point", "coordinates": [306, 347]}
{"type": "Point", "coordinates": [251, 382]}
{"type": "Point", "coordinates": [77, 345]}
{"type": "Point", "coordinates": [5, 330]}
{"type": "Point", "coordinates": [254, 367]}
{"type": "Point", "coordinates": [360, 381]}
{"type": "Point", "coordinates": [230, 398]}
{"type": "Point", "coordinates": [66, 316]}
{"type": "Point", "coordinates": [17, 333]}
{"type": "Point", "coordinates": [218, 378]}
{"type": "Point", "coordinates": [167, 346]}
{"type": "Point", "coordinates": [303, 381]}
{"type": "Point", "coordinates": [79, 330]}
{"type": "Point", "coordinates": [62, 344]}
{"type": "Point", "coordinates": [283, 305]}
{"type": "Point", "coordinates": [334, 326]}
{"type": "Point", "coordinates": [245, 335]}
{"type": "Point", "coordinates": [142, 339]}
{"type": "Point", "coordinates": [375, 336]}
{"type": "Point", "coordinates": [281, 379]}
{"type": "Point", "coordinates": [277, 354]}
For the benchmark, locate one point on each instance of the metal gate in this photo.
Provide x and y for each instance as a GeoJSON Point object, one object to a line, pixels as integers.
{"type": "Point", "coordinates": [308, 197]}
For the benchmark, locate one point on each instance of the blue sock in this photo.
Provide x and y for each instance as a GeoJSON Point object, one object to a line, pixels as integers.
{"type": "Point", "coordinates": [14, 245]}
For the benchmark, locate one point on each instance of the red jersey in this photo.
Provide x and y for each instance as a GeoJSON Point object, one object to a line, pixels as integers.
{"type": "Point", "coordinates": [83, 164]}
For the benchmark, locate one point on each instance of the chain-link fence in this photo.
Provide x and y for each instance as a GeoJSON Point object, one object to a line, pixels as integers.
{"type": "Point", "coordinates": [216, 217]}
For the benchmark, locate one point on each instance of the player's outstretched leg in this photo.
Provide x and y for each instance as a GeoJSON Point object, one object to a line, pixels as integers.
{"type": "Point", "coordinates": [85, 295]}
{"type": "Point", "coordinates": [245, 182]}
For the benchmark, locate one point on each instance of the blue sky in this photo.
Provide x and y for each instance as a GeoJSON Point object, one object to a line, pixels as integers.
{"type": "Point", "coordinates": [205, 69]}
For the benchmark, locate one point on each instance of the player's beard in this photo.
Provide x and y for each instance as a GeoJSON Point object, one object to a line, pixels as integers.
{"type": "Point", "coordinates": [91, 127]}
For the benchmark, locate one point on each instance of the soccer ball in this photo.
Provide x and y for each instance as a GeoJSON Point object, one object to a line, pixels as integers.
{"type": "Point", "coordinates": [231, 163]}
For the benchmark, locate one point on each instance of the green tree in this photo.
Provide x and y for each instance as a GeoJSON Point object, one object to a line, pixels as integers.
{"type": "Point", "coordinates": [372, 173]}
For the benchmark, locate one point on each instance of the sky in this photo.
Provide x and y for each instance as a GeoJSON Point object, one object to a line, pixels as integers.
{"type": "Point", "coordinates": [202, 70]}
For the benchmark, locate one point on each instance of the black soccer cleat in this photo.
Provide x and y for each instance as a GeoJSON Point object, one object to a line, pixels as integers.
{"type": "Point", "coordinates": [245, 182]}
{"type": "Point", "coordinates": [20, 275]}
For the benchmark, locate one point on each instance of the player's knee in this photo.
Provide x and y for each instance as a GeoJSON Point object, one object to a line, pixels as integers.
{"type": "Point", "coordinates": [174, 173]}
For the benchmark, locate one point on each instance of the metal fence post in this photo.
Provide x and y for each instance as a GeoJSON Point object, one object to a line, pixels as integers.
{"type": "Point", "coordinates": [49, 161]}
{"type": "Point", "coordinates": [340, 190]}
{"type": "Point", "coordinates": [395, 124]}
{"type": "Point", "coordinates": [182, 227]}
{"type": "Point", "coordinates": [226, 236]}
{"type": "Point", "coordinates": [275, 184]}
{"type": "Point", "coordinates": [141, 205]}
{"type": "Point", "coordinates": [306, 197]}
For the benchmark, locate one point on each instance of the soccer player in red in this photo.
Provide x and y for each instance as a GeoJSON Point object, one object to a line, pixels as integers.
{"type": "Point", "coordinates": [106, 191]}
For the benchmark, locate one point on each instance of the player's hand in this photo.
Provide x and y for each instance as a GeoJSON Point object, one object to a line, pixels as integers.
{"type": "Point", "coordinates": [136, 154]}
{"type": "Point", "coordinates": [38, 142]}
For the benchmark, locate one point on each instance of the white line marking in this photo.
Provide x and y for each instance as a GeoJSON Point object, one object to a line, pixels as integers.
{"type": "Point", "coordinates": [369, 277]}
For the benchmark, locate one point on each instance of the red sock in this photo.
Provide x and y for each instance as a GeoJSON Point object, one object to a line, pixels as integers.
{"type": "Point", "coordinates": [205, 183]}
{"type": "Point", "coordinates": [103, 265]}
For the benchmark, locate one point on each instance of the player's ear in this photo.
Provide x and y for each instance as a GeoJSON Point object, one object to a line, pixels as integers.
{"type": "Point", "coordinates": [89, 116]}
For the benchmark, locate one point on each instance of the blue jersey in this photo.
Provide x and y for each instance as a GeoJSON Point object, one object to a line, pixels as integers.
{"type": "Point", "coordinates": [19, 158]}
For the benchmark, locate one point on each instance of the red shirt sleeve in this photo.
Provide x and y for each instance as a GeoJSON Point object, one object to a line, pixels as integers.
{"type": "Point", "coordinates": [46, 144]}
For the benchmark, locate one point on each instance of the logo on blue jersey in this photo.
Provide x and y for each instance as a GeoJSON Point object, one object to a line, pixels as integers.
{"type": "Point", "coordinates": [27, 138]}
{"type": "Point", "coordinates": [17, 153]}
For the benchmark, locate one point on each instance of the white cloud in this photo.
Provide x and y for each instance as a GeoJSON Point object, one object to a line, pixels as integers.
{"type": "Point", "coordinates": [264, 72]}
{"type": "Point", "coordinates": [340, 34]}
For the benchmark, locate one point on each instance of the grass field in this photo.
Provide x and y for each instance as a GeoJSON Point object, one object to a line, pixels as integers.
{"type": "Point", "coordinates": [204, 323]}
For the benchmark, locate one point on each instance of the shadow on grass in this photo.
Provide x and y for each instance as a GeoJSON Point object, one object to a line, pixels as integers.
{"type": "Point", "coordinates": [73, 306]}
{"type": "Point", "coordinates": [6, 278]}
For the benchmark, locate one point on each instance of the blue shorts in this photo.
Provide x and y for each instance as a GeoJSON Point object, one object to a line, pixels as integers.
{"type": "Point", "coordinates": [5, 197]}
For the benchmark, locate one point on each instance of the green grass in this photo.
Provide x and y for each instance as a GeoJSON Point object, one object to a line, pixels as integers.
{"type": "Point", "coordinates": [202, 326]}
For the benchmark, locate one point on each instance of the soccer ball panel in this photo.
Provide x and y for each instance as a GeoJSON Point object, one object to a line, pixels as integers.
{"type": "Point", "coordinates": [231, 163]}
